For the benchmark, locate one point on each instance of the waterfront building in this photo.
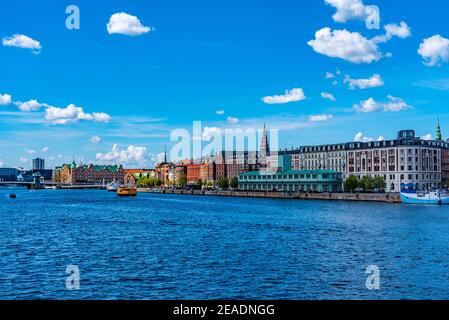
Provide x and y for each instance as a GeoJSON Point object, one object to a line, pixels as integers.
{"type": "Point", "coordinates": [406, 159]}
{"type": "Point", "coordinates": [133, 175]}
{"type": "Point", "coordinates": [165, 171]}
{"type": "Point", "coordinates": [8, 174]}
{"type": "Point", "coordinates": [292, 181]}
{"type": "Point", "coordinates": [445, 165]}
{"type": "Point", "coordinates": [279, 161]}
{"type": "Point", "coordinates": [95, 174]}
{"type": "Point", "coordinates": [230, 164]}
{"type": "Point", "coordinates": [208, 170]}
{"type": "Point", "coordinates": [325, 157]}
{"type": "Point", "coordinates": [38, 164]}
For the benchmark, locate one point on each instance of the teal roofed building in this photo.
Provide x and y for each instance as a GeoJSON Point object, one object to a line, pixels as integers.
{"type": "Point", "coordinates": [292, 181]}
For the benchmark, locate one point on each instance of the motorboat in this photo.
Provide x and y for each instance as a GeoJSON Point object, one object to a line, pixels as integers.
{"type": "Point", "coordinates": [411, 195]}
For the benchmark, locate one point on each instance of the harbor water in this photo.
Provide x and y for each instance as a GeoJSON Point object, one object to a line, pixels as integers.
{"type": "Point", "coordinates": [158, 246]}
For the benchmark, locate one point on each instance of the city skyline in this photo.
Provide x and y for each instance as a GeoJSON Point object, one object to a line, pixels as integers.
{"type": "Point", "coordinates": [135, 72]}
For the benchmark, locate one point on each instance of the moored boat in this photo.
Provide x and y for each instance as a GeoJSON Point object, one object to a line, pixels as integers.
{"type": "Point", "coordinates": [410, 195]}
{"type": "Point", "coordinates": [127, 192]}
{"type": "Point", "coordinates": [113, 186]}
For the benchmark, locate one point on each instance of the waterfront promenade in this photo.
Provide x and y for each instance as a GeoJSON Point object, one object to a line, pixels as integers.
{"type": "Point", "coordinates": [366, 197]}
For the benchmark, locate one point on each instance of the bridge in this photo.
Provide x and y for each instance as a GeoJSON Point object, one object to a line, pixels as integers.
{"type": "Point", "coordinates": [43, 185]}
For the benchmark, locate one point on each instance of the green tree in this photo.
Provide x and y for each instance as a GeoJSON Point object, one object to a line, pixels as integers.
{"type": "Point", "coordinates": [182, 180]}
{"type": "Point", "coordinates": [351, 183]}
{"type": "Point", "coordinates": [234, 183]}
{"type": "Point", "coordinates": [223, 183]}
{"type": "Point", "coordinates": [379, 183]}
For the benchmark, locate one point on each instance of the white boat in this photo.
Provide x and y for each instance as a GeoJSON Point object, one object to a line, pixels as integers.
{"type": "Point", "coordinates": [113, 186]}
{"type": "Point", "coordinates": [410, 195]}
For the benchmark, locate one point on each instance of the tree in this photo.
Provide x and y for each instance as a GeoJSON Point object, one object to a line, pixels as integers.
{"type": "Point", "coordinates": [379, 183]}
{"type": "Point", "coordinates": [351, 183]}
{"type": "Point", "coordinates": [223, 183]}
{"type": "Point", "coordinates": [182, 180]}
{"type": "Point", "coordinates": [234, 183]}
{"type": "Point", "coordinates": [367, 183]}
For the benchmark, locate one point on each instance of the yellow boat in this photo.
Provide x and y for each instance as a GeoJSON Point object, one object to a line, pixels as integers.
{"type": "Point", "coordinates": [127, 192]}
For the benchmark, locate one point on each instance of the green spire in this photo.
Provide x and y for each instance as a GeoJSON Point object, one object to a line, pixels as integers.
{"type": "Point", "coordinates": [438, 136]}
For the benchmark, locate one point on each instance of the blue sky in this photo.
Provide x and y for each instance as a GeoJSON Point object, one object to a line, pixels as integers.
{"type": "Point", "coordinates": [190, 59]}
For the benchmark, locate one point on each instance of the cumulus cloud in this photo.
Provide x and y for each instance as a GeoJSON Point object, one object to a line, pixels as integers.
{"type": "Point", "coordinates": [351, 10]}
{"type": "Point", "coordinates": [220, 112]}
{"type": "Point", "coordinates": [73, 113]}
{"type": "Point", "coordinates": [320, 118]}
{"type": "Point", "coordinates": [392, 105]}
{"type": "Point", "coordinates": [45, 149]}
{"type": "Point", "coordinates": [117, 155]}
{"type": "Point", "coordinates": [427, 137]}
{"type": "Point", "coordinates": [95, 139]}
{"type": "Point", "coordinates": [22, 41]}
{"type": "Point", "coordinates": [401, 31]}
{"type": "Point", "coordinates": [434, 50]}
{"type": "Point", "coordinates": [349, 46]}
{"type": "Point", "coordinates": [372, 82]}
{"type": "Point", "coordinates": [328, 96]}
{"type": "Point", "coordinates": [31, 105]}
{"type": "Point", "coordinates": [330, 75]}
{"type": "Point", "coordinates": [123, 23]}
{"type": "Point", "coordinates": [294, 95]}
{"type": "Point", "coordinates": [233, 120]}
{"type": "Point", "coordinates": [359, 137]}
{"type": "Point", "coordinates": [211, 132]}
{"type": "Point", "coordinates": [29, 151]}
{"type": "Point", "coordinates": [5, 99]}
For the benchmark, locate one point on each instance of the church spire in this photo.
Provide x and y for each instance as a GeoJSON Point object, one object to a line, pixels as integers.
{"type": "Point", "coordinates": [165, 154]}
{"type": "Point", "coordinates": [264, 146]}
{"type": "Point", "coordinates": [438, 136]}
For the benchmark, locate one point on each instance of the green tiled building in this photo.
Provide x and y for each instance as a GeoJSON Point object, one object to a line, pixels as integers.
{"type": "Point", "coordinates": [292, 181]}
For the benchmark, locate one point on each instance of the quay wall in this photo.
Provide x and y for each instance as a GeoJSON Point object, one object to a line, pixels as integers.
{"type": "Point", "coordinates": [368, 197]}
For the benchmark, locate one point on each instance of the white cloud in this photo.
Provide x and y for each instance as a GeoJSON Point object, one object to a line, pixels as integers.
{"type": "Point", "coordinates": [232, 120]}
{"type": "Point", "coordinates": [321, 118]}
{"type": "Point", "coordinates": [22, 41]}
{"type": "Point", "coordinates": [328, 96]}
{"type": "Point", "coordinates": [211, 132]}
{"type": "Point", "coordinates": [5, 99]}
{"type": "Point", "coordinates": [434, 50]}
{"type": "Point", "coordinates": [132, 154]}
{"type": "Point", "coordinates": [73, 113]}
{"type": "Point", "coordinates": [392, 105]}
{"type": "Point", "coordinates": [123, 23]}
{"type": "Point", "coordinates": [335, 83]}
{"type": "Point", "coordinates": [350, 10]}
{"type": "Point", "coordinates": [220, 112]}
{"type": "Point", "coordinates": [95, 139]}
{"type": "Point", "coordinates": [427, 137]}
{"type": "Point", "coordinates": [359, 137]}
{"type": "Point", "coordinates": [294, 95]}
{"type": "Point", "coordinates": [330, 75]}
{"type": "Point", "coordinates": [349, 46]}
{"type": "Point", "coordinates": [401, 31]}
{"type": "Point", "coordinates": [29, 151]}
{"type": "Point", "coordinates": [373, 82]}
{"type": "Point", "coordinates": [45, 149]}
{"type": "Point", "coordinates": [31, 105]}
